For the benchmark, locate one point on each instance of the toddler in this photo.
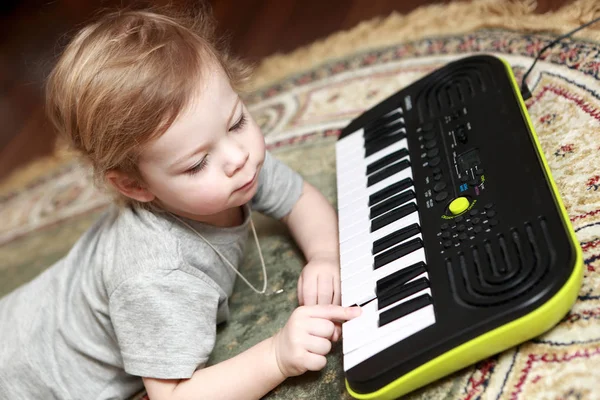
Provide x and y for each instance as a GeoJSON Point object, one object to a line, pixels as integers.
{"type": "Point", "coordinates": [152, 103]}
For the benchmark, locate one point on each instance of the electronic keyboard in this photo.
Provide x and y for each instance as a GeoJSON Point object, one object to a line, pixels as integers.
{"type": "Point", "coordinates": [453, 238]}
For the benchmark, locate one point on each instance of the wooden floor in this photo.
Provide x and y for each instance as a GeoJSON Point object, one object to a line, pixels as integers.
{"type": "Point", "coordinates": [31, 29]}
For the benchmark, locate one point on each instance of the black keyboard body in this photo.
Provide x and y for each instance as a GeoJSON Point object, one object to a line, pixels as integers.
{"type": "Point", "coordinates": [506, 253]}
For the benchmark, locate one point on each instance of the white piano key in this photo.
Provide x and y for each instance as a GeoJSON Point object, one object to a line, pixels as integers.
{"type": "Point", "coordinates": [349, 158]}
{"type": "Point", "coordinates": [372, 299]}
{"type": "Point", "coordinates": [359, 167]}
{"type": "Point", "coordinates": [358, 333]}
{"type": "Point", "coordinates": [367, 292]}
{"type": "Point", "coordinates": [351, 251]}
{"type": "Point", "coordinates": [361, 226]}
{"type": "Point", "coordinates": [357, 298]}
{"type": "Point", "coordinates": [355, 261]}
{"type": "Point", "coordinates": [352, 191]}
{"type": "Point", "coordinates": [353, 178]}
{"type": "Point", "coordinates": [399, 145]}
{"type": "Point", "coordinates": [360, 271]}
{"type": "Point", "coordinates": [352, 150]}
{"type": "Point", "coordinates": [358, 247]}
{"type": "Point", "coordinates": [356, 139]}
{"type": "Point", "coordinates": [362, 198]}
{"type": "Point", "coordinates": [351, 141]}
{"type": "Point", "coordinates": [362, 202]}
{"type": "Point", "coordinates": [390, 334]}
{"type": "Point", "coordinates": [371, 237]}
{"type": "Point", "coordinates": [360, 287]}
{"type": "Point", "coordinates": [340, 176]}
{"type": "Point", "coordinates": [349, 217]}
{"type": "Point", "coordinates": [352, 228]}
{"type": "Point", "coordinates": [363, 255]}
{"type": "Point", "coordinates": [361, 212]}
{"type": "Point", "coordinates": [356, 165]}
{"type": "Point", "coordinates": [357, 149]}
{"type": "Point", "coordinates": [347, 196]}
{"type": "Point", "coordinates": [355, 162]}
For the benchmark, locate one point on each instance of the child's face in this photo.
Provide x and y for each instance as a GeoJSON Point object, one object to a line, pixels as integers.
{"type": "Point", "coordinates": [208, 161]}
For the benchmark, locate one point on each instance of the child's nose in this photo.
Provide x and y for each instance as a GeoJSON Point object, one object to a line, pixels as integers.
{"type": "Point", "coordinates": [236, 157]}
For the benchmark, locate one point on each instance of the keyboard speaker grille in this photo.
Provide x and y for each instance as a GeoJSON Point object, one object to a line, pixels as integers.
{"type": "Point", "coordinates": [503, 268]}
{"type": "Point", "coordinates": [453, 87]}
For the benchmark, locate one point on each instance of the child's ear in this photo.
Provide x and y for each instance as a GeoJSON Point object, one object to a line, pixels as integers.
{"type": "Point", "coordinates": [128, 186]}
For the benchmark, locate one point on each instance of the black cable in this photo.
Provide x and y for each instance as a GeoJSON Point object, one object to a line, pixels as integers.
{"type": "Point", "coordinates": [525, 92]}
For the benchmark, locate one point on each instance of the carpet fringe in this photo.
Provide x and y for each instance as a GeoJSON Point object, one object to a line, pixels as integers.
{"type": "Point", "coordinates": [430, 21]}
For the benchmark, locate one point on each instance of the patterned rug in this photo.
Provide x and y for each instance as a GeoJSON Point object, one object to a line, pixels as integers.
{"type": "Point", "coordinates": [301, 116]}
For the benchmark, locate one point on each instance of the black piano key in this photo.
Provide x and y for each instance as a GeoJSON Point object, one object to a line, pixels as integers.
{"type": "Point", "coordinates": [391, 203]}
{"type": "Point", "coordinates": [383, 120]}
{"type": "Point", "coordinates": [403, 309]}
{"type": "Point", "coordinates": [390, 191]}
{"type": "Point", "coordinates": [397, 252]}
{"type": "Point", "coordinates": [402, 292]}
{"type": "Point", "coordinates": [395, 237]}
{"type": "Point", "coordinates": [380, 144]}
{"type": "Point", "coordinates": [399, 278]}
{"type": "Point", "coordinates": [379, 130]}
{"type": "Point", "coordinates": [387, 172]}
{"type": "Point", "coordinates": [392, 216]}
{"type": "Point", "coordinates": [379, 122]}
{"type": "Point", "coordinates": [384, 133]}
{"type": "Point", "coordinates": [387, 160]}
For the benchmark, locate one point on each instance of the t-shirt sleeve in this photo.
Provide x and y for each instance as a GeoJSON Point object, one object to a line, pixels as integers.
{"type": "Point", "coordinates": [165, 323]}
{"type": "Point", "coordinates": [279, 188]}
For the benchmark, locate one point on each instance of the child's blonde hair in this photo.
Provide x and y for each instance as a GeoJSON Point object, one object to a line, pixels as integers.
{"type": "Point", "coordinates": [124, 79]}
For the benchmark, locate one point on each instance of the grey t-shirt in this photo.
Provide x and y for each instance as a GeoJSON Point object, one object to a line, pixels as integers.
{"type": "Point", "coordinates": [139, 294]}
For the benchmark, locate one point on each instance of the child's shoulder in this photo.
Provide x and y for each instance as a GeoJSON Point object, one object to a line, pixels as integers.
{"type": "Point", "coordinates": [136, 241]}
{"type": "Point", "coordinates": [133, 223]}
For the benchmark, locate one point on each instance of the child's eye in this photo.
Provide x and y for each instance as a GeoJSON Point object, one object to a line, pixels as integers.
{"type": "Point", "coordinates": [198, 167]}
{"type": "Point", "coordinates": [239, 124]}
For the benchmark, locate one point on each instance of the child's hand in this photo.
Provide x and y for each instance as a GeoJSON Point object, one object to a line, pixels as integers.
{"type": "Point", "coordinates": [306, 338]}
{"type": "Point", "coordinates": [319, 283]}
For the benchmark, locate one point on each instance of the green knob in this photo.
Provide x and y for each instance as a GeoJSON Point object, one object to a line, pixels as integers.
{"type": "Point", "coordinates": [459, 205]}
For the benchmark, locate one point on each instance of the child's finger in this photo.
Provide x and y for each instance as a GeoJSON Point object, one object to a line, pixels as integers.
{"type": "Point", "coordinates": [318, 345]}
{"type": "Point", "coordinates": [325, 290]}
{"type": "Point", "coordinates": [337, 292]}
{"type": "Point", "coordinates": [314, 362]}
{"type": "Point", "coordinates": [321, 327]}
{"type": "Point", "coordinates": [300, 293]}
{"type": "Point", "coordinates": [337, 332]}
{"type": "Point", "coordinates": [309, 292]}
{"type": "Point", "coordinates": [334, 312]}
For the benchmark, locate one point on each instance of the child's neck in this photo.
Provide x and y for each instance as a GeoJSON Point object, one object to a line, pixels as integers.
{"type": "Point", "coordinates": [227, 218]}
{"type": "Point", "coordinates": [233, 217]}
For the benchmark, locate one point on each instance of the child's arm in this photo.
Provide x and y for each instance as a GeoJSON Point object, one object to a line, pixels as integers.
{"type": "Point", "coordinates": [300, 346]}
{"type": "Point", "coordinates": [313, 223]}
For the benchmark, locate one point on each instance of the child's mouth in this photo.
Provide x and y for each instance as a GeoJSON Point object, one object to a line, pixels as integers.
{"type": "Point", "coordinates": [247, 185]}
